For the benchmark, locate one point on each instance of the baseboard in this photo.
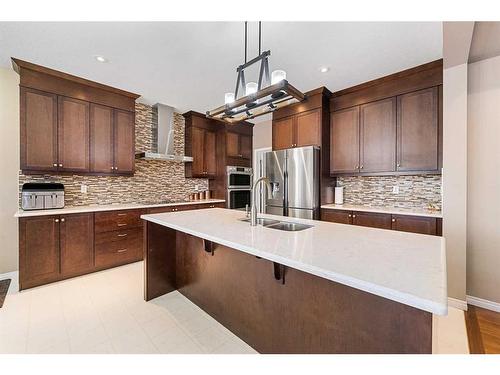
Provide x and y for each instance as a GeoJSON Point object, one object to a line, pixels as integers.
{"type": "Point", "coordinates": [484, 303]}
{"type": "Point", "coordinates": [14, 284]}
{"type": "Point", "coordinates": [457, 303]}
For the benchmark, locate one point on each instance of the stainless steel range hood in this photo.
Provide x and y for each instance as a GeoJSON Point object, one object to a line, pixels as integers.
{"type": "Point", "coordinates": [163, 137]}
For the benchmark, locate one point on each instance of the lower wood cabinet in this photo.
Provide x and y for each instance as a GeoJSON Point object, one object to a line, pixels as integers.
{"type": "Point", "coordinates": [185, 207]}
{"type": "Point", "coordinates": [55, 247]}
{"type": "Point", "coordinates": [404, 223]}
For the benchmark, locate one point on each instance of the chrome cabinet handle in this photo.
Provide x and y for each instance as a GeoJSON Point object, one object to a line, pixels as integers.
{"type": "Point", "coordinates": [121, 224]}
{"type": "Point", "coordinates": [122, 235]}
{"type": "Point", "coordinates": [122, 214]}
{"type": "Point", "coordinates": [121, 250]}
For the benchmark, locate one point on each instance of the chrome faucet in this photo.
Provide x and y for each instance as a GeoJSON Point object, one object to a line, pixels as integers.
{"type": "Point", "coordinates": [253, 213]}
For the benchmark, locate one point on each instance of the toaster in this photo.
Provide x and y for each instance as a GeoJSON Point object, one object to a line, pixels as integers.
{"type": "Point", "coordinates": [42, 196]}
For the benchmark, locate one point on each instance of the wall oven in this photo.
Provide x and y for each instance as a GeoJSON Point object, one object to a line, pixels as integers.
{"type": "Point", "coordinates": [239, 187]}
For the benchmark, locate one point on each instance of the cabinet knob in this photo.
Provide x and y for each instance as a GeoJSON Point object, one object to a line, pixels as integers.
{"type": "Point", "coordinates": [349, 215]}
{"type": "Point", "coordinates": [393, 220]}
{"type": "Point", "coordinates": [356, 167]}
{"type": "Point", "coordinates": [55, 164]}
{"type": "Point", "coordinates": [361, 167]}
{"type": "Point", "coordinates": [399, 165]}
{"type": "Point", "coordinates": [60, 165]}
{"type": "Point", "coordinates": [56, 220]}
{"type": "Point", "coordinates": [63, 220]}
{"type": "Point", "coordinates": [353, 216]}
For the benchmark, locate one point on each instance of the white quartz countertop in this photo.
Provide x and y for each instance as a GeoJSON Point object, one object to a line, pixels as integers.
{"type": "Point", "coordinates": [404, 267]}
{"type": "Point", "coordinates": [385, 210]}
{"type": "Point", "coordinates": [107, 207]}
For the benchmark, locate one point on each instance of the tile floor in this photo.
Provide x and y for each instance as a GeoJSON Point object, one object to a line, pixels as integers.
{"type": "Point", "coordinates": [105, 313]}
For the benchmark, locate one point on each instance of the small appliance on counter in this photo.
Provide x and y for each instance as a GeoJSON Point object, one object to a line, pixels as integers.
{"type": "Point", "coordinates": [42, 196]}
{"type": "Point", "coordinates": [339, 195]}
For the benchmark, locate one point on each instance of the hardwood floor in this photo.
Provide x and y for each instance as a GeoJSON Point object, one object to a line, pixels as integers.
{"type": "Point", "coordinates": [483, 330]}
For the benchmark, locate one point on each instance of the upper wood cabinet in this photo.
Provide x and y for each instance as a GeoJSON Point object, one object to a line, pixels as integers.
{"type": "Point", "coordinates": [124, 142]}
{"type": "Point", "coordinates": [203, 151]}
{"type": "Point", "coordinates": [73, 135]}
{"type": "Point", "coordinates": [38, 130]}
{"type": "Point", "coordinates": [378, 136]}
{"type": "Point", "coordinates": [302, 129]}
{"type": "Point", "coordinates": [72, 125]}
{"type": "Point", "coordinates": [418, 131]}
{"type": "Point", "coordinates": [344, 141]}
{"type": "Point", "coordinates": [238, 145]}
{"type": "Point", "coordinates": [400, 124]}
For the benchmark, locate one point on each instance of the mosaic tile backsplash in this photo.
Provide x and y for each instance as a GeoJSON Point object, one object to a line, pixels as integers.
{"type": "Point", "coordinates": [414, 191]}
{"type": "Point", "coordinates": [154, 180]}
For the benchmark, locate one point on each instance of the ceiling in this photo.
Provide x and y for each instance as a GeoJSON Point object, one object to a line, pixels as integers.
{"type": "Point", "coordinates": [190, 65]}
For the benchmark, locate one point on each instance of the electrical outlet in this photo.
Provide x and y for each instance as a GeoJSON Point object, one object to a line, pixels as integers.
{"type": "Point", "coordinates": [196, 187]}
{"type": "Point", "coordinates": [83, 188]}
{"type": "Point", "coordinates": [395, 189]}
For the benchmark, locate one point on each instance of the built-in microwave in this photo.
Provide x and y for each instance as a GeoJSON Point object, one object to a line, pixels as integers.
{"type": "Point", "coordinates": [239, 178]}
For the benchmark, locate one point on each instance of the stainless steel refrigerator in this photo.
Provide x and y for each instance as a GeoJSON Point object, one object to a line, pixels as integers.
{"type": "Point", "coordinates": [294, 178]}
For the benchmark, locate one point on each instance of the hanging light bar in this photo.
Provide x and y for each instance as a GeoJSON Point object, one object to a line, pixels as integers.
{"type": "Point", "coordinates": [268, 94]}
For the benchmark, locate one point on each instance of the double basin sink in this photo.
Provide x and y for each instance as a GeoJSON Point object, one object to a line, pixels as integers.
{"type": "Point", "coordinates": [280, 225]}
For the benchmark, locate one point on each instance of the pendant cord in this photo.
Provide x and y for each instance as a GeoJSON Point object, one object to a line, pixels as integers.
{"type": "Point", "coordinates": [260, 35]}
{"type": "Point", "coordinates": [245, 42]}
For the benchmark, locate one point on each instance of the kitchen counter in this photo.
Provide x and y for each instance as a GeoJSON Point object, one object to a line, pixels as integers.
{"type": "Point", "coordinates": [108, 207]}
{"type": "Point", "coordinates": [403, 267]}
{"type": "Point", "coordinates": [385, 210]}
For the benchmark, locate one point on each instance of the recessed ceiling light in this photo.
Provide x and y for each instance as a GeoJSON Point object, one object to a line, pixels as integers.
{"type": "Point", "coordinates": [324, 69]}
{"type": "Point", "coordinates": [101, 59]}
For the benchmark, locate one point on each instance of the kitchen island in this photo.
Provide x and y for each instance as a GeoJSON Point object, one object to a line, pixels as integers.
{"type": "Point", "coordinates": [331, 288]}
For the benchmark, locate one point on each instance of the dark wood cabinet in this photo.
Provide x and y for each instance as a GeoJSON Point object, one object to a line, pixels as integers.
{"type": "Point", "coordinates": [38, 250]}
{"type": "Point", "coordinates": [38, 130]}
{"type": "Point", "coordinates": [124, 142]}
{"type": "Point", "coordinates": [302, 129]}
{"type": "Point", "coordinates": [415, 224]}
{"type": "Point", "coordinates": [378, 136]}
{"type": "Point", "coordinates": [238, 146]}
{"type": "Point", "coordinates": [203, 153]}
{"type": "Point", "coordinates": [72, 125]}
{"type": "Point", "coordinates": [344, 141]}
{"type": "Point", "coordinates": [371, 219]}
{"type": "Point", "coordinates": [418, 131]}
{"type": "Point", "coordinates": [73, 135]}
{"type": "Point", "coordinates": [336, 216]}
{"type": "Point", "coordinates": [101, 139]}
{"type": "Point", "coordinates": [77, 243]}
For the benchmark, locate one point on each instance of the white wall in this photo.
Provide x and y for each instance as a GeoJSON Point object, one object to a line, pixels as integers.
{"type": "Point", "coordinates": [9, 168]}
{"type": "Point", "coordinates": [262, 134]}
{"type": "Point", "coordinates": [483, 205]}
{"type": "Point", "coordinates": [455, 177]}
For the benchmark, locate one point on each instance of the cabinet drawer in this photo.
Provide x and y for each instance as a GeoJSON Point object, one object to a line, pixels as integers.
{"type": "Point", "coordinates": [113, 253]}
{"type": "Point", "coordinates": [117, 220]}
{"type": "Point", "coordinates": [118, 235]}
{"type": "Point", "coordinates": [373, 220]}
{"type": "Point", "coordinates": [415, 224]}
{"type": "Point", "coordinates": [336, 216]}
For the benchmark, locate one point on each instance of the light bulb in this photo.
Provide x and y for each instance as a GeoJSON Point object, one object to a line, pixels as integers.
{"type": "Point", "coordinates": [250, 88]}
{"type": "Point", "coordinates": [277, 76]}
{"type": "Point", "coordinates": [228, 97]}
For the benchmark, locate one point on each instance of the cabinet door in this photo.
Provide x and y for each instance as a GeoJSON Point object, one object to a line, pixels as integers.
{"type": "Point", "coordinates": [308, 129]}
{"type": "Point", "coordinates": [336, 216]}
{"type": "Point", "coordinates": [210, 153]}
{"type": "Point", "coordinates": [344, 141]}
{"type": "Point", "coordinates": [283, 133]}
{"type": "Point", "coordinates": [124, 142]}
{"type": "Point", "coordinates": [73, 134]}
{"type": "Point", "coordinates": [77, 243]}
{"type": "Point", "coordinates": [378, 136]}
{"type": "Point", "coordinates": [233, 144]}
{"type": "Point", "coordinates": [418, 131]}
{"type": "Point", "coordinates": [38, 250]}
{"type": "Point", "coordinates": [414, 224]}
{"type": "Point", "coordinates": [38, 130]}
{"type": "Point", "coordinates": [101, 139]}
{"type": "Point", "coordinates": [198, 144]}
{"type": "Point", "coordinates": [246, 146]}
{"type": "Point", "coordinates": [373, 220]}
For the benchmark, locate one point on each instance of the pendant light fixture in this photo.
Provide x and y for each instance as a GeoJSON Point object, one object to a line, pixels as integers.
{"type": "Point", "coordinates": [270, 92]}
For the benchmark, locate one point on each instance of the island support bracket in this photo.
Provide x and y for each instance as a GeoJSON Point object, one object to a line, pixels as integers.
{"type": "Point", "coordinates": [209, 247]}
{"type": "Point", "coordinates": [279, 272]}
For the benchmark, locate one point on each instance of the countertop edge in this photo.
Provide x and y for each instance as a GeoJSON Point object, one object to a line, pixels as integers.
{"type": "Point", "coordinates": [391, 294]}
{"type": "Point", "coordinates": [391, 211]}
{"type": "Point", "coordinates": [103, 208]}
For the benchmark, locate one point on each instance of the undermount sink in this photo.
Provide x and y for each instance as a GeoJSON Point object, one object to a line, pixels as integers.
{"type": "Point", "coordinates": [280, 225]}
{"type": "Point", "coordinates": [289, 227]}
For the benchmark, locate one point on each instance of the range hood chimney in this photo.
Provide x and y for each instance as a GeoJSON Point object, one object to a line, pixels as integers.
{"type": "Point", "coordinates": [163, 136]}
